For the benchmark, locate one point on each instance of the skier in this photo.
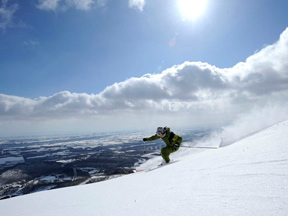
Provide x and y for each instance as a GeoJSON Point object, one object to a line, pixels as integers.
{"type": "Point", "coordinates": [172, 141]}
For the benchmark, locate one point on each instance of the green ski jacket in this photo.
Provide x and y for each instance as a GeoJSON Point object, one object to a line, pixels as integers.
{"type": "Point", "coordinates": [170, 138]}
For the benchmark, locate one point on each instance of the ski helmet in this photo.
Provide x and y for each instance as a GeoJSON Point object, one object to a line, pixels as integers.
{"type": "Point", "coordinates": [160, 130]}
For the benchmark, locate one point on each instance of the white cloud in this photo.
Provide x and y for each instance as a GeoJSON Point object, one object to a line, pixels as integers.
{"type": "Point", "coordinates": [80, 4]}
{"type": "Point", "coordinates": [65, 4]}
{"type": "Point", "coordinates": [7, 12]}
{"type": "Point", "coordinates": [186, 94]}
{"type": "Point", "coordinates": [31, 43]}
{"type": "Point", "coordinates": [139, 4]}
{"type": "Point", "coordinates": [264, 72]}
{"type": "Point", "coordinates": [48, 4]}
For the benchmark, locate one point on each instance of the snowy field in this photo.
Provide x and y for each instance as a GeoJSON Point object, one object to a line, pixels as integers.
{"type": "Point", "coordinates": [248, 177]}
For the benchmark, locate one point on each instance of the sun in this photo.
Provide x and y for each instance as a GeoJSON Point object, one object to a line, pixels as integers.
{"type": "Point", "coordinates": [192, 9]}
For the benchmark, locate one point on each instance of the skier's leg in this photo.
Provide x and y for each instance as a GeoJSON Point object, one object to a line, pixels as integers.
{"type": "Point", "coordinates": [165, 152]}
{"type": "Point", "coordinates": [175, 149]}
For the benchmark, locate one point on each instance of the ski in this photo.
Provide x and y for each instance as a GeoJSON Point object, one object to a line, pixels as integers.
{"type": "Point", "coordinates": [155, 167]}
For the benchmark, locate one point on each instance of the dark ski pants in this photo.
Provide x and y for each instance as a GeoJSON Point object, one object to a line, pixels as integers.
{"type": "Point", "coordinates": [166, 151]}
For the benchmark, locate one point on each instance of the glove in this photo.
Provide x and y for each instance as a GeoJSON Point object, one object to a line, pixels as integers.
{"type": "Point", "coordinates": [176, 146]}
{"type": "Point", "coordinates": [144, 139]}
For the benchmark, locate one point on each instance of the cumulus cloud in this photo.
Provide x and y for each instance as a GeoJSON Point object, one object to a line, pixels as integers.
{"type": "Point", "coordinates": [7, 12]}
{"type": "Point", "coordinates": [189, 93]}
{"type": "Point", "coordinates": [264, 72]}
{"type": "Point", "coordinates": [15, 106]}
{"type": "Point", "coordinates": [139, 4]}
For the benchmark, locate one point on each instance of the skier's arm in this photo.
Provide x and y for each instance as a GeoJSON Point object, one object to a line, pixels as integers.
{"type": "Point", "coordinates": [155, 137]}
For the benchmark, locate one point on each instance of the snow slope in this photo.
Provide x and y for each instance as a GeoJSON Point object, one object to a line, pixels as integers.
{"type": "Point", "coordinates": [249, 177]}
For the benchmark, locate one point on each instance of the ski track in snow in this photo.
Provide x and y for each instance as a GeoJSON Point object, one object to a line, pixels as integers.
{"type": "Point", "coordinates": [249, 177]}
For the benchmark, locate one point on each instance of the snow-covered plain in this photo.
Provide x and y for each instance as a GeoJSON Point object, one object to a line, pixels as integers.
{"type": "Point", "coordinates": [248, 177]}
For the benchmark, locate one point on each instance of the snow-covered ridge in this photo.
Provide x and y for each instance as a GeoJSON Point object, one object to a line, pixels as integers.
{"type": "Point", "coordinates": [249, 177]}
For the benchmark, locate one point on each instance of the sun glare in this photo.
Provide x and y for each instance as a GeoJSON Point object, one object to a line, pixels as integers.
{"type": "Point", "coordinates": [192, 9]}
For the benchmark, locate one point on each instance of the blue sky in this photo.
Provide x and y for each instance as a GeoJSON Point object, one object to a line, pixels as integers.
{"type": "Point", "coordinates": [88, 50]}
{"type": "Point", "coordinates": [51, 48]}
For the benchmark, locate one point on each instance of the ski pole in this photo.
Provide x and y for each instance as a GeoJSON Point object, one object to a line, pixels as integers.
{"type": "Point", "coordinates": [204, 147]}
{"type": "Point", "coordinates": [144, 147]}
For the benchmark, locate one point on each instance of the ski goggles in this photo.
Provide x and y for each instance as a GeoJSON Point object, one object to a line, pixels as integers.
{"type": "Point", "coordinates": [158, 133]}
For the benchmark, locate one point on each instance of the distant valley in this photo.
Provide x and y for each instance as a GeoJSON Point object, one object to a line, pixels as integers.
{"type": "Point", "coordinates": [34, 164]}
